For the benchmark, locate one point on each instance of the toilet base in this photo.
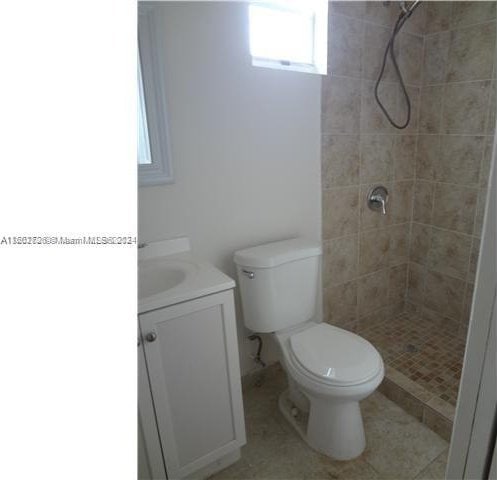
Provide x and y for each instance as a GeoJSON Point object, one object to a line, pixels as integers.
{"type": "Point", "coordinates": [336, 430]}
{"type": "Point", "coordinates": [299, 422]}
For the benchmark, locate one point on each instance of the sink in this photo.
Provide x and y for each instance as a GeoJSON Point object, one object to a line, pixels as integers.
{"type": "Point", "coordinates": [168, 274]}
{"type": "Point", "coordinates": [161, 275]}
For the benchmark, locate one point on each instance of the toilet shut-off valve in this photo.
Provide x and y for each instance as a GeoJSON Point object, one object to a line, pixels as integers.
{"type": "Point", "coordinates": [257, 357]}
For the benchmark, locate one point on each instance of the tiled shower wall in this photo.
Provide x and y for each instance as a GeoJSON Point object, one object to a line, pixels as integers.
{"type": "Point", "coordinates": [456, 127]}
{"type": "Point", "coordinates": [440, 160]}
{"type": "Point", "coordinates": [365, 253]}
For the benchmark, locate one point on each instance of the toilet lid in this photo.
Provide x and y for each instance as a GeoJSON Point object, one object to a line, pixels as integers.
{"type": "Point", "coordinates": [335, 355]}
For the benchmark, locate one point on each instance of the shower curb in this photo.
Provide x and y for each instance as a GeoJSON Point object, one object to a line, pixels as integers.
{"type": "Point", "coordinates": [429, 409]}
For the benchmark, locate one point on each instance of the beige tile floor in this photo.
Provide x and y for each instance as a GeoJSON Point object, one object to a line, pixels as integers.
{"type": "Point", "coordinates": [398, 446]}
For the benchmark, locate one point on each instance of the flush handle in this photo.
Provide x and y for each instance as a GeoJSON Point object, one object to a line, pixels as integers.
{"type": "Point", "coordinates": [248, 274]}
{"type": "Point", "coordinates": [378, 198]}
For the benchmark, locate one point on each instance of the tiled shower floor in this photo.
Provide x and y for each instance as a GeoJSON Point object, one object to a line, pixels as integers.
{"type": "Point", "coordinates": [421, 351]}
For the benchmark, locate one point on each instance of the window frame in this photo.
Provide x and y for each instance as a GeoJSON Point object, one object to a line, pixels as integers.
{"type": "Point", "coordinates": [142, 115]}
{"type": "Point", "coordinates": [152, 74]}
{"type": "Point", "coordinates": [319, 40]}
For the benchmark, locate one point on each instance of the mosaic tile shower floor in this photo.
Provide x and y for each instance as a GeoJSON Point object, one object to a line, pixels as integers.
{"type": "Point", "coordinates": [425, 353]}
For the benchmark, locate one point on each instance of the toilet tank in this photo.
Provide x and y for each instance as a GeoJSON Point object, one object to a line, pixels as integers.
{"type": "Point", "coordinates": [278, 283]}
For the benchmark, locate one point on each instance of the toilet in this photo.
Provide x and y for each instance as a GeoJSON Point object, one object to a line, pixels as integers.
{"type": "Point", "coordinates": [329, 370]}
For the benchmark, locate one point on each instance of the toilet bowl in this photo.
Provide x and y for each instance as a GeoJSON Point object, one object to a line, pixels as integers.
{"type": "Point", "coordinates": [330, 370]}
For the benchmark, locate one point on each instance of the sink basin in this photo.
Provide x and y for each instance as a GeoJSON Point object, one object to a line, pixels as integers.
{"type": "Point", "coordinates": [162, 275]}
{"type": "Point", "coordinates": [168, 274]}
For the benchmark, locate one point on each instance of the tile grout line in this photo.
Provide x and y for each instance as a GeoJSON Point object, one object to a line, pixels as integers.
{"type": "Point", "coordinates": [397, 135]}
{"type": "Point", "coordinates": [386, 227]}
{"type": "Point", "coordinates": [457, 82]}
{"type": "Point", "coordinates": [461, 27]}
{"type": "Point", "coordinates": [469, 285]}
{"type": "Point", "coordinates": [469, 186]}
{"type": "Point", "coordinates": [424, 34]}
{"type": "Point", "coordinates": [415, 167]}
{"type": "Point", "coordinates": [411, 222]}
{"type": "Point", "coordinates": [359, 212]}
{"type": "Point", "coordinates": [434, 460]}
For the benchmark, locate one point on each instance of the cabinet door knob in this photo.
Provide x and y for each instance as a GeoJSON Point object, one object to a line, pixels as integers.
{"type": "Point", "coordinates": [151, 337]}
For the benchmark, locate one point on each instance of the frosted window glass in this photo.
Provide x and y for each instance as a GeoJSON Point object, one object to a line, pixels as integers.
{"type": "Point", "coordinates": [280, 34]}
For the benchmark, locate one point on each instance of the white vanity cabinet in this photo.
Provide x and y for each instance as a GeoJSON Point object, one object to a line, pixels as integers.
{"type": "Point", "coordinates": [190, 352]}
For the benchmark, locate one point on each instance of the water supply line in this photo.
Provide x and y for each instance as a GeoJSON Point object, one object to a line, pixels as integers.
{"type": "Point", "coordinates": [257, 357]}
{"type": "Point", "coordinates": [405, 14]}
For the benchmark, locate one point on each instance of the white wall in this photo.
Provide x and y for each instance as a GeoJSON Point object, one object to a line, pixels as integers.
{"type": "Point", "coordinates": [245, 142]}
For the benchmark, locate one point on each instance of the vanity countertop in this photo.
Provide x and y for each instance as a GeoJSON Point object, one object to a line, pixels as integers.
{"type": "Point", "coordinates": [167, 278]}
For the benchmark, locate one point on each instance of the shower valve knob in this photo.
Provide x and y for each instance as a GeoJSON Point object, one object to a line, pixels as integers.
{"type": "Point", "coordinates": [378, 198]}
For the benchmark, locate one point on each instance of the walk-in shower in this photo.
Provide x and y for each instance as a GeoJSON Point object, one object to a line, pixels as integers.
{"type": "Point", "coordinates": [405, 280]}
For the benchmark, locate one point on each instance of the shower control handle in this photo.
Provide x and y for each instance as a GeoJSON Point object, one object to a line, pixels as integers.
{"type": "Point", "coordinates": [378, 198]}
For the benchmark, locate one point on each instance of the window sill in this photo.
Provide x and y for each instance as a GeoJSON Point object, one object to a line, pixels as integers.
{"type": "Point", "coordinates": [294, 67]}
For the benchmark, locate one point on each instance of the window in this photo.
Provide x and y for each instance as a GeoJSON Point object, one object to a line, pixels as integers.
{"type": "Point", "coordinates": [154, 155]}
{"type": "Point", "coordinates": [289, 35]}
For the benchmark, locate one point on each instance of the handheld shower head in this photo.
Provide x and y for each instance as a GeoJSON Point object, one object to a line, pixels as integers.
{"type": "Point", "coordinates": [408, 9]}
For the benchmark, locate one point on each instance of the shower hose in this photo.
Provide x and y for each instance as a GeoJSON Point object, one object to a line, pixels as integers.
{"type": "Point", "coordinates": [403, 17]}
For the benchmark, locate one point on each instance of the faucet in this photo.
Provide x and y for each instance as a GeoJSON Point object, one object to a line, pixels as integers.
{"type": "Point", "coordinates": [378, 198]}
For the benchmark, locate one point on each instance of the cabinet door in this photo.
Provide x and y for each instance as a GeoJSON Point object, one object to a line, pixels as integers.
{"type": "Point", "coordinates": [150, 461]}
{"type": "Point", "coordinates": [192, 358]}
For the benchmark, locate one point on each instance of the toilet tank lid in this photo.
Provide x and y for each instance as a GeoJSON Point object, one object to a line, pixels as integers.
{"type": "Point", "coordinates": [276, 253]}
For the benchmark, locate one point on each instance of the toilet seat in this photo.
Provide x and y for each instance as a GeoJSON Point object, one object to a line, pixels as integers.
{"type": "Point", "coordinates": [335, 356]}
